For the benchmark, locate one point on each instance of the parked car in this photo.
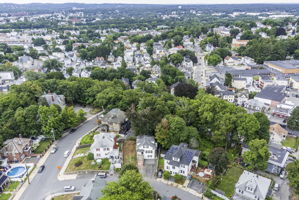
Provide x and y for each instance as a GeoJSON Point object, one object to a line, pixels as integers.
{"type": "Point", "coordinates": [66, 154]}
{"type": "Point", "coordinates": [41, 169]}
{"type": "Point", "coordinates": [282, 174]}
{"type": "Point", "coordinates": [102, 174]}
{"type": "Point", "coordinates": [69, 188]}
{"type": "Point", "coordinates": [73, 130]}
{"type": "Point", "coordinates": [276, 187]}
{"type": "Point", "coordinates": [160, 173]}
{"type": "Point", "coordinates": [54, 149]}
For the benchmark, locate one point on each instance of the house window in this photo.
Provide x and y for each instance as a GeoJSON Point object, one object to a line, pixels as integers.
{"type": "Point", "coordinates": [173, 167]}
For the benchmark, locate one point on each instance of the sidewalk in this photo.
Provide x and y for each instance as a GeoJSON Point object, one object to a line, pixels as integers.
{"type": "Point", "coordinates": [41, 161]}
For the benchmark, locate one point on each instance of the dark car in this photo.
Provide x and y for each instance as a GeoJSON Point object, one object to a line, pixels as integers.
{"type": "Point", "coordinates": [73, 130]}
{"type": "Point", "coordinates": [41, 169]}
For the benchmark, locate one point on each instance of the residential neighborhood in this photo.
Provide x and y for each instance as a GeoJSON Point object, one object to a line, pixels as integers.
{"type": "Point", "coordinates": [149, 101]}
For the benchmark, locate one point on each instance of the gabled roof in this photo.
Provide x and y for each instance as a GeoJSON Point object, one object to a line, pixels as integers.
{"type": "Point", "coordinates": [260, 184]}
{"type": "Point", "coordinates": [16, 145]}
{"type": "Point", "coordinates": [278, 129]}
{"type": "Point", "coordinates": [104, 140]}
{"type": "Point", "coordinates": [145, 140]}
{"type": "Point", "coordinates": [278, 156]}
{"type": "Point", "coordinates": [181, 151]}
{"type": "Point", "coordinates": [114, 116]}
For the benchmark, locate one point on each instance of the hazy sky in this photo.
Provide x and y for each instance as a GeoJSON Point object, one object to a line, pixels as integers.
{"type": "Point", "coordinates": [153, 1]}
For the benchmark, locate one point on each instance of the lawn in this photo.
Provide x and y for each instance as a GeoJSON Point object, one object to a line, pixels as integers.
{"type": "Point", "coordinates": [65, 197]}
{"type": "Point", "coordinates": [129, 152]}
{"type": "Point", "coordinates": [161, 163]}
{"type": "Point", "coordinates": [5, 196]}
{"type": "Point", "coordinates": [43, 146]}
{"type": "Point", "coordinates": [12, 186]}
{"type": "Point", "coordinates": [88, 139]}
{"type": "Point", "coordinates": [228, 181]}
{"type": "Point", "coordinates": [291, 142]}
{"type": "Point", "coordinates": [82, 150]}
{"type": "Point", "coordinates": [86, 165]}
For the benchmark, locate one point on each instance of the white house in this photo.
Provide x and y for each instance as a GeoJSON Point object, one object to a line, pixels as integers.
{"type": "Point", "coordinates": [251, 186]}
{"type": "Point", "coordinates": [179, 159]}
{"type": "Point", "coordinates": [146, 146]}
{"type": "Point", "coordinates": [105, 146]}
{"type": "Point", "coordinates": [239, 83]}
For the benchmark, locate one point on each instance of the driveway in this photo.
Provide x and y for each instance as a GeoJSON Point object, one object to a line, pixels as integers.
{"type": "Point", "coordinates": [149, 168]}
{"type": "Point", "coordinates": [46, 183]}
{"type": "Point", "coordinates": [169, 191]}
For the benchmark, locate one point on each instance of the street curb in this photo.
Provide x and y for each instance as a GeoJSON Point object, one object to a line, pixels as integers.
{"type": "Point", "coordinates": [62, 176]}
{"type": "Point", "coordinates": [49, 197]}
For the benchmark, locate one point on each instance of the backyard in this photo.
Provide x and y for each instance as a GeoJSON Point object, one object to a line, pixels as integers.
{"type": "Point", "coordinates": [5, 196]}
{"type": "Point", "coordinates": [43, 146]}
{"type": "Point", "coordinates": [129, 152]}
{"type": "Point", "coordinates": [291, 142]}
{"type": "Point", "coordinates": [12, 186]}
{"type": "Point", "coordinates": [86, 164]}
{"type": "Point", "coordinates": [228, 181]}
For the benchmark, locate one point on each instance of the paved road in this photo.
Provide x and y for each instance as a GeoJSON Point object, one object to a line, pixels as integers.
{"type": "Point", "coordinates": [46, 183]}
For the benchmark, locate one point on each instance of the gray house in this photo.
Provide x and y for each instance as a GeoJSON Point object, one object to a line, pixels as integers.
{"type": "Point", "coordinates": [114, 119]}
{"type": "Point", "coordinates": [53, 98]}
{"type": "Point", "coordinates": [251, 186]}
{"type": "Point", "coordinates": [277, 160]}
{"type": "Point", "coordinates": [146, 146]}
{"type": "Point", "coordinates": [91, 190]}
{"type": "Point", "coordinates": [179, 159]}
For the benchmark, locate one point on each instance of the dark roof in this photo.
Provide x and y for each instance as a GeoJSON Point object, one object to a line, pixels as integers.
{"type": "Point", "coordinates": [250, 72]}
{"type": "Point", "coordinates": [3, 178]}
{"type": "Point", "coordinates": [184, 154]}
{"type": "Point", "coordinates": [287, 64]}
{"type": "Point", "coordinates": [272, 92]}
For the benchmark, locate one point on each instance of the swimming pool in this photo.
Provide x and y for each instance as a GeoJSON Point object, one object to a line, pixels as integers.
{"type": "Point", "coordinates": [16, 172]}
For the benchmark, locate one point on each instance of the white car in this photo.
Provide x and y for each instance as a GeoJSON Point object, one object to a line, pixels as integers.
{"type": "Point", "coordinates": [66, 153]}
{"type": "Point", "coordinates": [69, 188]}
{"type": "Point", "coordinates": [54, 149]}
{"type": "Point", "coordinates": [282, 174]}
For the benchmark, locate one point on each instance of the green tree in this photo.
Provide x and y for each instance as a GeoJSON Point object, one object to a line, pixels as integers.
{"type": "Point", "coordinates": [228, 80]}
{"type": "Point", "coordinates": [257, 156]}
{"type": "Point", "coordinates": [38, 41]}
{"type": "Point", "coordinates": [222, 52]}
{"type": "Point", "coordinates": [263, 131]}
{"type": "Point", "coordinates": [218, 158]}
{"type": "Point", "coordinates": [293, 121]}
{"type": "Point", "coordinates": [171, 130]}
{"type": "Point", "coordinates": [52, 65]}
{"type": "Point", "coordinates": [33, 53]}
{"type": "Point", "coordinates": [176, 58]}
{"type": "Point", "coordinates": [296, 54]}
{"type": "Point", "coordinates": [293, 175]}
{"type": "Point", "coordinates": [32, 76]}
{"type": "Point", "coordinates": [130, 186]}
{"type": "Point", "coordinates": [127, 167]}
{"type": "Point", "coordinates": [69, 117]}
{"type": "Point", "coordinates": [234, 32]}
{"type": "Point", "coordinates": [70, 71]}
{"type": "Point", "coordinates": [51, 121]}
{"type": "Point", "coordinates": [214, 59]}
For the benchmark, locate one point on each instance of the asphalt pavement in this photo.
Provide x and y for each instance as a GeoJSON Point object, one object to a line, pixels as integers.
{"type": "Point", "coordinates": [46, 183]}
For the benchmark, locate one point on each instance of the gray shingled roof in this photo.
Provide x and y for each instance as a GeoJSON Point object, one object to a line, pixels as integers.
{"type": "Point", "coordinates": [182, 152]}
{"type": "Point", "coordinates": [145, 140]}
{"type": "Point", "coordinates": [115, 116]}
{"type": "Point", "coordinates": [272, 92]}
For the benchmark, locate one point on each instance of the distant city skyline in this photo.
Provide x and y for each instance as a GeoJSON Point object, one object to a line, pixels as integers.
{"type": "Point", "coordinates": [153, 1]}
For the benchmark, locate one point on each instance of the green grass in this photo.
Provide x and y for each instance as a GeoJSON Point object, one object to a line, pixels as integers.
{"type": "Point", "coordinates": [82, 150]}
{"type": "Point", "coordinates": [65, 197]}
{"type": "Point", "coordinates": [43, 146]}
{"type": "Point", "coordinates": [228, 181]}
{"type": "Point", "coordinates": [12, 186]}
{"type": "Point", "coordinates": [5, 196]}
{"type": "Point", "coordinates": [129, 152]}
{"type": "Point", "coordinates": [161, 163]}
{"type": "Point", "coordinates": [88, 139]}
{"type": "Point", "coordinates": [291, 142]}
{"type": "Point", "coordinates": [86, 165]}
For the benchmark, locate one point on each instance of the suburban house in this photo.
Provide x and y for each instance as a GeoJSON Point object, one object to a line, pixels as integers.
{"type": "Point", "coordinates": [115, 120]}
{"type": "Point", "coordinates": [53, 98]}
{"type": "Point", "coordinates": [271, 95]}
{"type": "Point", "coordinates": [16, 149]}
{"type": "Point", "coordinates": [277, 133]}
{"type": "Point", "coordinates": [277, 160]}
{"type": "Point", "coordinates": [3, 181]}
{"type": "Point", "coordinates": [105, 146]}
{"type": "Point", "coordinates": [179, 159]}
{"type": "Point", "coordinates": [146, 146]}
{"type": "Point", "coordinates": [294, 82]}
{"type": "Point", "coordinates": [239, 43]}
{"type": "Point", "coordinates": [251, 186]}
{"type": "Point", "coordinates": [226, 95]}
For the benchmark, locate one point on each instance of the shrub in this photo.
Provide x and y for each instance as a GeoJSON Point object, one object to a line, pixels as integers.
{"type": "Point", "coordinates": [90, 156]}
{"type": "Point", "coordinates": [166, 175]}
{"type": "Point", "coordinates": [78, 163]}
{"type": "Point", "coordinates": [178, 178]}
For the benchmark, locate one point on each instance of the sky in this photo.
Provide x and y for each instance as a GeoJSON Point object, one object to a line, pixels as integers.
{"type": "Point", "coordinates": [154, 1]}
